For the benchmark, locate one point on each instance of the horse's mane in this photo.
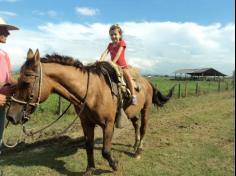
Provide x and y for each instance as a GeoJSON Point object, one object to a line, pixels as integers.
{"type": "Point", "coordinates": [70, 61]}
{"type": "Point", "coordinates": [63, 60]}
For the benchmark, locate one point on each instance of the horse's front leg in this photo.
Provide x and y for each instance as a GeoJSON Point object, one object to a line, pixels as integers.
{"type": "Point", "coordinates": [88, 129]}
{"type": "Point", "coordinates": [107, 143]}
{"type": "Point", "coordinates": [144, 115]}
{"type": "Point", "coordinates": [136, 128]}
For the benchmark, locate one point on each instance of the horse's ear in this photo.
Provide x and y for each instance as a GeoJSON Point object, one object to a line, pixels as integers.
{"type": "Point", "coordinates": [37, 56]}
{"type": "Point", "coordinates": [30, 54]}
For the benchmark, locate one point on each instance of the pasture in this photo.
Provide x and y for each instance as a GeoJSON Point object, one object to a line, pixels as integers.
{"type": "Point", "coordinates": [204, 86]}
{"type": "Point", "coordinates": [189, 136]}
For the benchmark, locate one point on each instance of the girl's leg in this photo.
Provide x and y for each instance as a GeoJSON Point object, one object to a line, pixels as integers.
{"type": "Point", "coordinates": [130, 85]}
{"type": "Point", "coordinates": [129, 80]}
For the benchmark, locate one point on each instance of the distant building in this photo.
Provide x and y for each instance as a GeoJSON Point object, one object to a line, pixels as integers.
{"type": "Point", "coordinates": [202, 73]}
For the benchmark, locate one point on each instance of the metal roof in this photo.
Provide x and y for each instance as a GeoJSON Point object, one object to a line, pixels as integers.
{"type": "Point", "coordinates": [200, 72]}
{"type": "Point", "coordinates": [185, 71]}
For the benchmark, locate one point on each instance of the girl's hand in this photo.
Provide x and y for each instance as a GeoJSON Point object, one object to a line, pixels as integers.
{"type": "Point", "coordinates": [2, 100]}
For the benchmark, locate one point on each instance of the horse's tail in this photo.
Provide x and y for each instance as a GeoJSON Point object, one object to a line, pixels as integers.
{"type": "Point", "coordinates": [158, 98]}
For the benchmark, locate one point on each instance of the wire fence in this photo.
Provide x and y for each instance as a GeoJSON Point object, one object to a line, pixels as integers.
{"type": "Point", "coordinates": [187, 88]}
{"type": "Point", "coordinates": [56, 104]}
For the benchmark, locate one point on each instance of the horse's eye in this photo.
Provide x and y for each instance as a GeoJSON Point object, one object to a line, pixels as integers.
{"type": "Point", "coordinates": [23, 84]}
{"type": "Point", "coordinates": [28, 74]}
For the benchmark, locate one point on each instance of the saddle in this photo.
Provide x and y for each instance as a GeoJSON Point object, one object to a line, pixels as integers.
{"type": "Point", "coordinates": [114, 77]}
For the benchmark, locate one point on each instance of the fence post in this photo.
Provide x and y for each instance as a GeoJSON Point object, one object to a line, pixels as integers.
{"type": "Point", "coordinates": [209, 86]}
{"type": "Point", "coordinates": [179, 91]}
{"type": "Point", "coordinates": [59, 107]}
{"type": "Point", "coordinates": [197, 89]}
{"type": "Point", "coordinates": [227, 86]}
{"type": "Point", "coordinates": [219, 85]}
{"type": "Point", "coordinates": [185, 89]}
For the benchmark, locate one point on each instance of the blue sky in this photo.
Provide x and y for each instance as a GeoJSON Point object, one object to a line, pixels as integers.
{"type": "Point", "coordinates": [180, 33]}
{"type": "Point", "coordinates": [108, 11]}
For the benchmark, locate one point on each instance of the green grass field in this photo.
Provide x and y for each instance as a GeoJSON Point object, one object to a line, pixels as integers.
{"type": "Point", "coordinates": [189, 136]}
{"type": "Point", "coordinates": [164, 84]}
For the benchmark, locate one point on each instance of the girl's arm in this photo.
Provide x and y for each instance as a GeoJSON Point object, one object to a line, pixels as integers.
{"type": "Point", "coordinates": [104, 55]}
{"type": "Point", "coordinates": [118, 54]}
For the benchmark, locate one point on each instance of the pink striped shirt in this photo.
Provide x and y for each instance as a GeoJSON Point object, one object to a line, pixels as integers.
{"type": "Point", "coordinates": [5, 67]}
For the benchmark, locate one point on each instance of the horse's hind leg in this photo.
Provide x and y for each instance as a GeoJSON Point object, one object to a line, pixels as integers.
{"type": "Point", "coordinates": [134, 121]}
{"type": "Point", "coordinates": [144, 114]}
{"type": "Point", "coordinates": [107, 142]}
{"type": "Point", "coordinates": [89, 137]}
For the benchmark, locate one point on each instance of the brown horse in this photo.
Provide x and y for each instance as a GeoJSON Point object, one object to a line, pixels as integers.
{"type": "Point", "coordinates": [90, 94]}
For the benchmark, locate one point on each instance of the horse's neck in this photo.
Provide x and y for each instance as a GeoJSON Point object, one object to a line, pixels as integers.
{"type": "Point", "coordinates": [67, 81]}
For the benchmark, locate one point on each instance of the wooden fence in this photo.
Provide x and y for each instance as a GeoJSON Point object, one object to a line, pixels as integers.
{"type": "Point", "coordinates": [182, 90]}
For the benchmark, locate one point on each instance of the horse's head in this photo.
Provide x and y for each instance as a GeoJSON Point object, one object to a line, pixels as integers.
{"type": "Point", "coordinates": [29, 89]}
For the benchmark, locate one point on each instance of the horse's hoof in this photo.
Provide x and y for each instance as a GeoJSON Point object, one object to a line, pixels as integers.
{"type": "Point", "coordinates": [138, 153]}
{"type": "Point", "coordinates": [89, 171]}
{"type": "Point", "coordinates": [138, 157]}
{"type": "Point", "coordinates": [114, 165]}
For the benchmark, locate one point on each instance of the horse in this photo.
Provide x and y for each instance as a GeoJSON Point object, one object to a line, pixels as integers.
{"type": "Point", "coordinates": [90, 94]}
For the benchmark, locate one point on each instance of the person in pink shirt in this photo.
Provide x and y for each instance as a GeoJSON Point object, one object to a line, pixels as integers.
{"type": "Point", "coordinates": [117, 51]}
{"type": "Point", "coordinates": [6, 79]}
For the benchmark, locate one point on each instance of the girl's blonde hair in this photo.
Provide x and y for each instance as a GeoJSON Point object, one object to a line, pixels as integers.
{"type": "Point", "coordinates": [116, 27]}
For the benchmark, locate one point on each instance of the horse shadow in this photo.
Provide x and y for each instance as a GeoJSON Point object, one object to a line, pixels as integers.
{"type": "Point", "coordinates": [46, 153]}
{"type": "Point", "coordinates": [125, 151]}
{"type": "Point", "coordinates": [125, 147]}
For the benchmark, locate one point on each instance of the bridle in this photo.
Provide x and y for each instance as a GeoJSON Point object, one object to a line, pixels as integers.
{"type": "Point", "coordinates": [35, 104]}
{"type": "Point", "coordinates": [28, 103]}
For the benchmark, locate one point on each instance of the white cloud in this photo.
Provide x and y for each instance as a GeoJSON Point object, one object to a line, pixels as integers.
{"type": "Point", "coordinates": [154, 47]}
{"type": "Point", "coordinates": [50, 13]}
{"type": "Point", "coordinates": [7, 13]}
{"type": "Point", "coordinates": [86, 11]}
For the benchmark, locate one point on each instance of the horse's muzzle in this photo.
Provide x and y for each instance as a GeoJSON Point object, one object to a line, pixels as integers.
{"type": "Point", "coordinates": [12, 120]}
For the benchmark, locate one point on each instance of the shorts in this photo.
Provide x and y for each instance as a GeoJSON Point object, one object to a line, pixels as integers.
{"type": "Point", "coordinates": [124, 66]}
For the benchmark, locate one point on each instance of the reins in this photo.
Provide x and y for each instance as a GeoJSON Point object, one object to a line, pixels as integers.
{"type": "Point", "coordinates": [4, 141]}
{"type": "Point", "coordinates": [29, 132]}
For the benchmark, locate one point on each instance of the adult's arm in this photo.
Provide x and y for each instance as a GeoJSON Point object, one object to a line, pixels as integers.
{"type": "Point", "coordinates": [8, 89]}
{"type": "Point", "coordinates": [2, 100]}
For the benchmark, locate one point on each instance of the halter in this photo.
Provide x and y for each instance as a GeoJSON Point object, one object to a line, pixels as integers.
{"type": "Point", "coordinates": [29, 103]}
{"type": "Point", "coordinates": [26, 104]}
{"type": "Point", "coordinates": [82, 103]}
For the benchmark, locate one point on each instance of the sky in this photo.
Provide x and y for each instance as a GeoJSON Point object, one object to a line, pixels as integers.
{"type": "Point", "coordinates": [161, 35]}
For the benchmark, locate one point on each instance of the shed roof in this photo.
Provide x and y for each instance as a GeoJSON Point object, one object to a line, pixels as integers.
{"type": "Point", "coordinates": [200, 72]}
